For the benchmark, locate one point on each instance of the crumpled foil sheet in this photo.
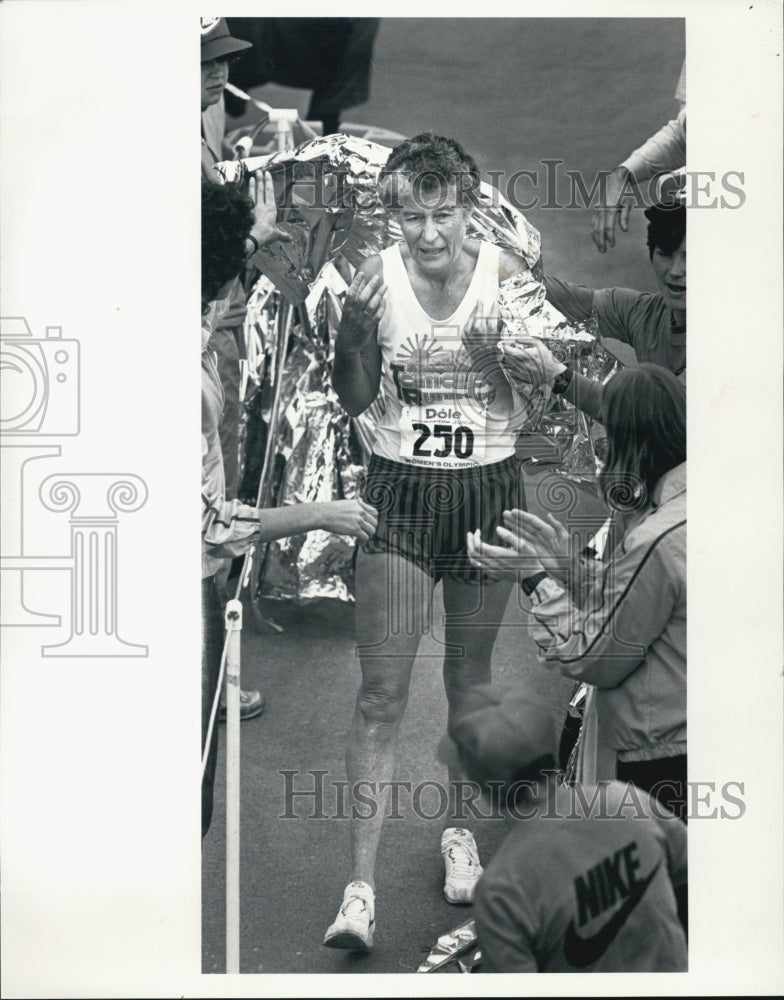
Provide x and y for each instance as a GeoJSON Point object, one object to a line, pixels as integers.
{"type": "Point", "coordinates": [328, 201]}
{"type": "Point", "coordinates": [579, 441]}
{"type": "Point", "coordinates": [450, 947]}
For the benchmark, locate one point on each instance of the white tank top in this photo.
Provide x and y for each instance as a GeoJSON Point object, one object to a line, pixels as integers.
{"type": "Point", "coordinates": [439, 411]}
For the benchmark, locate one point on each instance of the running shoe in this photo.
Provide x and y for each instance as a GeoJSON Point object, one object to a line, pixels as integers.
{"type": "Point", "coordinates": [353, 926]}
{"type": "Point", "coordinates": [251, 705]}
{"type": "Point", "coordinates": [461, 858]}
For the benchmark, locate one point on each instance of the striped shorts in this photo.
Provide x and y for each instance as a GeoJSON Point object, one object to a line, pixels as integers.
{"type": "Point", "coordinates": [424, 514]}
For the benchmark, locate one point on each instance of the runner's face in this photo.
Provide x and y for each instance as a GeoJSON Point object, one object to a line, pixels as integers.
{"type": "Point", "coordinates": [434, 226]}
{"type": "Point", "coordinates": [214, 77]}
{"type": "Point", "coordinates": [670, 271]}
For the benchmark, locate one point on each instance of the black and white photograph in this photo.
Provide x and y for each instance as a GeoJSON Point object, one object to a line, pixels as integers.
{"type": "Point", "coordinates": [442, 721]}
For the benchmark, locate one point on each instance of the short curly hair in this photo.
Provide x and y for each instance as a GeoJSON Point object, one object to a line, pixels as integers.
{"type": "Point", "coordinates": [431, 162]}
{"type": "Point", "coordinates": [226, 221]}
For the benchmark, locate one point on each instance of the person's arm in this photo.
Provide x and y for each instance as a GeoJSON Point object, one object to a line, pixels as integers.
{"type": "Point", "coordinates": [229, 527]}
{"type": "Point", "coordinates": [665, 150]}
{"type": "Point", "coordinates": [576, 302]}
{"type": "Point", "coordinates": [356, 371]}
{"type": "Point", "coordinates": [627, 609]}
{"type": "Point", "coordinates": [504, 938]}
{"type": "Point", "coordinates": [573, 300]}
{"type": "Point", "coordinates": [585, 394]}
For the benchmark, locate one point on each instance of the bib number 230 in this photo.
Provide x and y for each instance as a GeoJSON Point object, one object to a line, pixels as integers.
{"type": "Point", "coordinates": [458, 441]}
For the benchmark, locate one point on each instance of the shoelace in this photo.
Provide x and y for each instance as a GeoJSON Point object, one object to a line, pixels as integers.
{"type": "Point", "coordinates": [462, 861]}
{"type": "Point", "coordinates": [350, 904]}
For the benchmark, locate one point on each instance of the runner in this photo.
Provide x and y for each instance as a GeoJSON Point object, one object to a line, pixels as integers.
{"type": "Point", "coordinates": [443, 464]}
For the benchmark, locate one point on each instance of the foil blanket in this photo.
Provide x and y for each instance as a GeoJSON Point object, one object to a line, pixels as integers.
{"type": "Point", "coordinates": [578, 443]}
{"type": "Point", "coordinates": [454, 951]}
{"type": "Point", "coordinates": [326, 191]}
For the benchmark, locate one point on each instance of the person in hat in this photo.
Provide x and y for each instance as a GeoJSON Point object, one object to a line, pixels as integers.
{"type": "Point", "coordinates": [585, 879]}
{"type": "Point", "coordinates": [653, 324]}
{"type": "Point", "coordinates": [218, 50]}
{"type": "Point", "coordinates": [225, 317]}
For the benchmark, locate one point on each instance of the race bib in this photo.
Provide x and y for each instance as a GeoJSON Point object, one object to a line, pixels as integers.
{"type": "Point", "coordinates": [441, 437]}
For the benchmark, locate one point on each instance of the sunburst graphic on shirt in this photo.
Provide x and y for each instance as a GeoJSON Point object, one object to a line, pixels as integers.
{"type": "Point", "coordinates": [425, 354]}
{"type": "Point", "coordinates": [427, 371]}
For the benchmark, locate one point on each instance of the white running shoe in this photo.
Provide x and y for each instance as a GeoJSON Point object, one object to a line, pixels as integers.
{"type": "Point", "coordinates": [461, 858]}
{"type": "Point", "coordinates": [353, 926]}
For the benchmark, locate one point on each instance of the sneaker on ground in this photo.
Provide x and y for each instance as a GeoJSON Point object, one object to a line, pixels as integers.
{"type": "Point", "coordinates": [461, 859]}
{"type": "Point", "coordinates": [354, 924]}
{"type": "Point", "coordinates": [251, 705]}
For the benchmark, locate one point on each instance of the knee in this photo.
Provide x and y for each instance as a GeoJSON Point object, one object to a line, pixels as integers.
{"type": "Point", "coordinates": [380, 706]}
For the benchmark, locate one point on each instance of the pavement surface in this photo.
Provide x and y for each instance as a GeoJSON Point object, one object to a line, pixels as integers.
{"type": "Point", "coordinates": [515, 92]}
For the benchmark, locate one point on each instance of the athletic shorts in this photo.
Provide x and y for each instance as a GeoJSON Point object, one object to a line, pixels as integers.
{"type": "Point", "coordinates": [424, 514]}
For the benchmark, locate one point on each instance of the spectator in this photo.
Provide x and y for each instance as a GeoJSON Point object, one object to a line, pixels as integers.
{"type": "Point", "coordinates": [232, 226]}
{"type": "Point", "coordinates": [652, 323]}
{"type": "Point", "coordinates": [225, 318]}
{"type": "Point", "coordinates": [584, 880]}
{"type": "Point", "coordinates": [620, 625]}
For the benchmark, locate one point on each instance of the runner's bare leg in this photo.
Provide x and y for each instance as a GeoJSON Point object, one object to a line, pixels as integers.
{"type": "Point", "coordinates": [473, 616]}
{"type": "Point", "coordinates": [393, 605]}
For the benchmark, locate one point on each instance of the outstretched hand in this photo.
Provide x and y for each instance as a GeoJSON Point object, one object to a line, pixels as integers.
{"type": "Point", "coordinates": [534, 362]}
{"type": "Point", "coordinates": [351, 517]}
{"type": "Point", "coordinates": [613, 210]}
{"type": "Point", "coordinates": [261, 192]}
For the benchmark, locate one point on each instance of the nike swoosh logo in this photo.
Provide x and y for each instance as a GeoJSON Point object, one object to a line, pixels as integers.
{"type": "Point", "coordinates": [580, 951]}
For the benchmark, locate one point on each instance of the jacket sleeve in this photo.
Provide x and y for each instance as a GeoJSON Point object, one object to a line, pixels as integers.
{"type": "Point", "coordinates": [627, 608]}
{"type": "Point", "coordinates": [228, 527]}
{"type": "Point", "coordinates": [666, 150]}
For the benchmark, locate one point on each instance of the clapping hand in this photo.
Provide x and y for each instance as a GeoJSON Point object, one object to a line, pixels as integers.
{"type": "Point", "coordinates": [547, 539]}
{"type": "Point", "coordinates": [511, 560]}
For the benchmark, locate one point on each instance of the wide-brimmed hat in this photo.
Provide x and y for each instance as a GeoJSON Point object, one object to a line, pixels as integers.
{"type": "Point", "coordinates": [500, 732]}
{"type": "Point", "coordinates": [216, 40]}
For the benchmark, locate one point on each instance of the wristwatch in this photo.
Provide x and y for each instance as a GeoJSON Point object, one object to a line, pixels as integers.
{"type": "Point", "coordinates": [562, 380]}
{"type": "Point", "coordinates": [530, 583]}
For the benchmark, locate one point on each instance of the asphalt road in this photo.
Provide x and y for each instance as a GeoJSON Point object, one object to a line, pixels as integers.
{"type": "Point", "coordinates": [515, 93]}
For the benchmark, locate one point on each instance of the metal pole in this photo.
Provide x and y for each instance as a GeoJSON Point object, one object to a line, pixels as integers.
{"type": "Point", "coordinates": [264, 496]}
{"type": "Point", "coordinates": [234, 631]}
